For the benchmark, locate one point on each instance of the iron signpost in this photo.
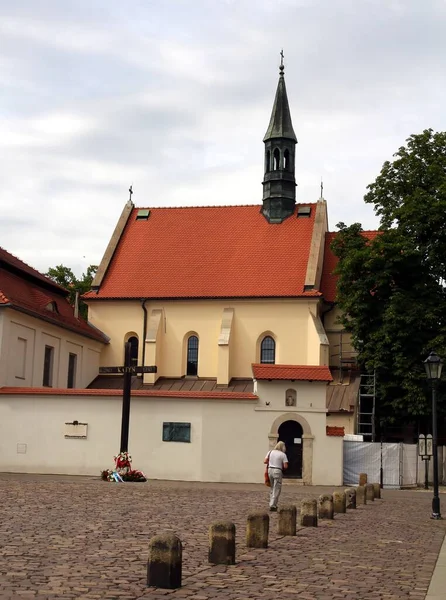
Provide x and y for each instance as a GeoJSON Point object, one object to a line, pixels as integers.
{"type": "Point", "coordinates": [127, 370]}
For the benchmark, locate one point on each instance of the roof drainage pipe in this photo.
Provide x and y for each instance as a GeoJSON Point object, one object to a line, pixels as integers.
{"type": "Point", "coordinates": [144, 330]}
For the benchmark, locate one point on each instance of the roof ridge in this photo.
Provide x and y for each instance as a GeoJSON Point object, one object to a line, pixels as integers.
{"type": "Point", "coordinates": [225, 206]}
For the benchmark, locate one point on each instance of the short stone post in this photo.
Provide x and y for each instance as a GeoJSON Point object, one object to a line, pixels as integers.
{"type": "Point", "coordinates": [308, 513]}
{"type": "Point", "coordinates": [287, 520]}
{"type": "Point", "coordinates": [377, 490]}
{"type": "Point", "coordinates": [369, 492]}
{"type": "Point", "coordinates": [325, 506]}
{"type": "Point", "coordinates": [350, 497]}
{"type": "Point", "coordinates": [257, 530]}
{"type": "Point", "coordinates": [222, 543]}
{"type": "Point", "coordinates": [360, 495]}
{"type": "Point", "coordinates": [339, 502]}
{"type": "Point", "coordinates": [165, 562]}
{"type": "Point", "coordinates": [362, 478]}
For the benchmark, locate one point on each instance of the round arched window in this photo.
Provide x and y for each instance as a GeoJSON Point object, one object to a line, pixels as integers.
{"type": "Point", "coordinates": [268, 350]}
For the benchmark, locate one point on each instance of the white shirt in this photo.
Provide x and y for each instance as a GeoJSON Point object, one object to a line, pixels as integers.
{"type": "Point", "coordinates": [276, 459]}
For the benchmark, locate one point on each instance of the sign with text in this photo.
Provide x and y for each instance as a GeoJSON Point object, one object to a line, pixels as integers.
{"type": "Point", "coordinates": [133, 370]}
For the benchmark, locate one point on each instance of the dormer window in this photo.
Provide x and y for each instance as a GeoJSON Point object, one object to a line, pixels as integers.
{"type": "Point", "coordinates": [52, 306]}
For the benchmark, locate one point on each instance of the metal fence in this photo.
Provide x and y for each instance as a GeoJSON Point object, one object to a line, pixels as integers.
{"type": "Point", "coordinates": [396, 465]}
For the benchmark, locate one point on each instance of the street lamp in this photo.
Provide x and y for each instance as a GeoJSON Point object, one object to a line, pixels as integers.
{"type": "Point", "coordinates": [433, 365]}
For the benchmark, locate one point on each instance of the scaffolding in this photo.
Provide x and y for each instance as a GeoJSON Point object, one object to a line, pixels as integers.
{"type": "Point", "coordinates": [347, 356]}
{"type": "Point", "coordinates": [366, 407]}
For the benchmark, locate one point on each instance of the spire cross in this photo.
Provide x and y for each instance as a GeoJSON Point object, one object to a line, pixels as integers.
{"type": "Point", "coordinates": [281, 58]}
{"type": "Point", "coordinates": [130, 192]}
{"type": "Point", "coordinates": [322, 188]}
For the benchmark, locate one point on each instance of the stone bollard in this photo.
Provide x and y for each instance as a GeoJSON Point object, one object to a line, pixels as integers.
{"type": "Point", "coordinates": [325, 506]}
{"type": "Point", "coordinates": [308, 513]}
{"type": "Point", "coordinates": [222, 543]}
{"type": "Point", "coordinates": [360, 495]}
{"type": "Point", "coordinates": [369, 492]}
{"type": "Point", "coordinates": [377, 490]}
{"type": "Point", "coordinates": [257, 530]}
{"type": "Point", "coordinates": [165, 562]}
{"type": "Point", "coordinates": [339, 502]}
{"type": "Point", "coordinates": [287, 520]}
{"type": "Point", "coordinates": [362, 478]}
{"type": "Point", "coordinates": [350, 497]}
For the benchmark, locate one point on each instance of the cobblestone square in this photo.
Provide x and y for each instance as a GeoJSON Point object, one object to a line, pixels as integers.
{"type": "Point", "coordinates": [77, 537]}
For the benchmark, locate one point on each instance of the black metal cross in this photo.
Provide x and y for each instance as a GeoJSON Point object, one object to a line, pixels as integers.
{"type": "Point", "coordinates": [128, 370]}
{"type": "Point", "coordinates": [281, 58]}
{"type": "Point", "coordinates": [130, 192]}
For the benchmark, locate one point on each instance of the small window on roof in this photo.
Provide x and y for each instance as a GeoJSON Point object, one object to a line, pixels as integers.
{"type": "Point", "coordinates": [143, 214]}
{"type": "Point", "coordinates": [52, 306]}
{"type": "Point", "coordinates": [304, 211]}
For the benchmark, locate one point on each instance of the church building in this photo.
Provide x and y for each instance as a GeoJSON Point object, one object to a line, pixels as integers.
{"type": "Point", "coordinates": [235, 307]}
{"type": "Point", "coordinates": [230, 299]}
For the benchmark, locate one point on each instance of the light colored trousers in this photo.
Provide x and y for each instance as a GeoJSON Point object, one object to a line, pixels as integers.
{"type": "Point", "coordinates": [275, 479]}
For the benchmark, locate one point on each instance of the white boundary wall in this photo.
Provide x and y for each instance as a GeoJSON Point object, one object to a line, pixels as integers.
{"type": "Point", "coordinates": [229, 438]}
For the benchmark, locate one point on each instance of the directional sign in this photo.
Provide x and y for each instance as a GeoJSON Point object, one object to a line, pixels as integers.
{"type": "Point", "coordinates": [133, 370]}
{"type": "Point", "coordinates": [422, 445]}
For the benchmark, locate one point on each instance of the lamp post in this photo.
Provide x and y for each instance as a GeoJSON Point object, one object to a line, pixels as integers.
{"type": "Point", "coordinates": [433, 365]}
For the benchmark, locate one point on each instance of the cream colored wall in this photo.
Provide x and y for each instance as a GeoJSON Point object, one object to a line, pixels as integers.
{"type": "Point", "coordinates": [229, 439]}
{"type": "Point", "coordinates": [290, 322]}
{"type": "Point", "coordinates": [25, 369]}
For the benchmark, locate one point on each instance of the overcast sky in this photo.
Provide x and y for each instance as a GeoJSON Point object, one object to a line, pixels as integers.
{"type": "Point", "coordinates": [174, 97]}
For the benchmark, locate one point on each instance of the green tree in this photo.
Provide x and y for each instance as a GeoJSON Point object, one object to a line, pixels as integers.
{"type": "Point", "coordinates": [65, 277]}
{"type": "Point", "coordinates": [391, 287]}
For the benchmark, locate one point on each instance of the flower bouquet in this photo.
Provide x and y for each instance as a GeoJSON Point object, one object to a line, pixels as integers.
{"type": "Point", "coordinates": [123, 470]}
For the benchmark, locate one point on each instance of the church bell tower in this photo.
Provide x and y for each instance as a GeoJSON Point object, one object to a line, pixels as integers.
{"type": "Point", "coordinates": [279, 184]}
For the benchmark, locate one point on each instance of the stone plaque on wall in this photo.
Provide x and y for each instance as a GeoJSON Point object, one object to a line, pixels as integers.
{"type": "Point", "coordinates": [76, 430]}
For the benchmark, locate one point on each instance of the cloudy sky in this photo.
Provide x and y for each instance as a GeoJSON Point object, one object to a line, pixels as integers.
{"type": "Point", "coordinates": [174, 97]}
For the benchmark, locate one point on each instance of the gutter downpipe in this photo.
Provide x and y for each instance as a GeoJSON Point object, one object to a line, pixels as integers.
{"type": "Point", "coordinates": [144, 330]}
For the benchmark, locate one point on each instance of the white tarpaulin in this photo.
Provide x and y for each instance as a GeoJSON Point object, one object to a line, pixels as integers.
{"type": "Point", "coordinates": [398, 461]}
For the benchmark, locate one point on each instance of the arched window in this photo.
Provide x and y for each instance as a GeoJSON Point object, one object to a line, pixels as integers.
{"type": "Point", "coordinates": [268, 162]}
{"type": "Point", "coordinates": [276, 159]}
{"type": "Point", "coordinates": [268, 350]}
{"type": "Point", "coordinates": [192, 356]}
{"type": "Point", "coordinates": [286, 160]}
{"type": "Point", "coordinates": [133, 350]}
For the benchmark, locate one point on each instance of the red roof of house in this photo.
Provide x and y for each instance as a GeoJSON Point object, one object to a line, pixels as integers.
{"type": "Point", "coordinates": [209, 252]}
{"type": "Point", "coordinates": [289, 372]}
{"type": "Point", "coordinates": [328, 280]}
{"type": "Point", "coordinates": [334, 431]}
{"type": "Point", "coordinates": [26, 290]}
{"type": "Point", "coordinates": [17, 264]}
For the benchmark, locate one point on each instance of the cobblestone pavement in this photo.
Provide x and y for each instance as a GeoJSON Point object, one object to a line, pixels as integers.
{"type": "Point", "coordinates": [64, 537]}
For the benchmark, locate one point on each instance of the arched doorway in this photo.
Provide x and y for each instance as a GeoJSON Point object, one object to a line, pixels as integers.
{"type": "Point", "coordinates": [291, 432]}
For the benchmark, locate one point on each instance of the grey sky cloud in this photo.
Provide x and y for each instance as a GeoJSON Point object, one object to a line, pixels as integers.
{"type": "Point", "coordinates": [174, 97]}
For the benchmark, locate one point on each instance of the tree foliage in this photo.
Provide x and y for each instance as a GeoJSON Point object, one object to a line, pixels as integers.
{"type": "Point", "coordinates": [391, 285]}
{"type": "Point", "coordinates": [65, 277]}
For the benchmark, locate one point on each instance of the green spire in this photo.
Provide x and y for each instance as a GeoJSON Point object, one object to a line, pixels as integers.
{"type": "Point", "coordinates": [280, 125]}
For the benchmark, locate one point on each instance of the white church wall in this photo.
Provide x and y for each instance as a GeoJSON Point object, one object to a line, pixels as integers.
{"type": "Point", "coordinates": [229, 439]}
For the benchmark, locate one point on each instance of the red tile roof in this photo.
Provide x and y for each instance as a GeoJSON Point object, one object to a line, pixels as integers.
{"type": "Point", "coordinates": [296, 372]}
{"type": "Point", "coordinates": [335, 431]}
{"type": "Point", "coordinates": [26, 290]}
{"type": "Point", "coordinates": [11, 260]}
{"type": "Point", "coordinates": [44, 391]}
{"type": "Point", "coordinates": [328, 280]}
{"type": "Point", "coordinates": [209, 252]}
